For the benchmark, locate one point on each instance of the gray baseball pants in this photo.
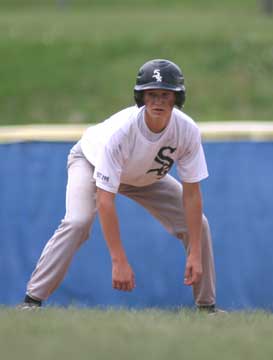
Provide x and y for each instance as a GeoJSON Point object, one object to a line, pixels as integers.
{"type": "Point", "coordinates": [162, 199]}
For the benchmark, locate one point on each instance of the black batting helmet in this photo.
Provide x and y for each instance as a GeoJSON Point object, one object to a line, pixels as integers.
{"type": "Point", "coordinates": [160, 74]}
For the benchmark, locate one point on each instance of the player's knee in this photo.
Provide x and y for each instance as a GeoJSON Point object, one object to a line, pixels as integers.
{"type": "Point", "coordinates": [183, 235]}
{"type": "Point", "coordinates": [80, 224]}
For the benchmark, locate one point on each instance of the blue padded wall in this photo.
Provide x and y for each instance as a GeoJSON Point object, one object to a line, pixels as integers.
{"type": "Point", "coordinates": [238, 199]}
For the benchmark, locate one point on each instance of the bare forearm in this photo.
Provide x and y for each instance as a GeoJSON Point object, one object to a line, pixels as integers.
{"type": "Point", "coordinates": [122, 273]}
{"type": "Point", "coordinates": [110, 226]}
{"type": "Point", "coordinates": [192, 202]}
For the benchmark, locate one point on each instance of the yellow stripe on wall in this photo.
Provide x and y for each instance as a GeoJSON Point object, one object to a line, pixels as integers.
{"type": "Point", "coordinates": [211, 131]}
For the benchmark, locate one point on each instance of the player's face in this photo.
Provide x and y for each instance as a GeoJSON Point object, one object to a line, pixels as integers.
{"type": "Point", "coordinates": [159, 105]}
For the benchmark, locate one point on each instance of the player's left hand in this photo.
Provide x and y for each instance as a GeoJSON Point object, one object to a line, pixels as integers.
{"type": "Point", "coordinates": [193, 271]}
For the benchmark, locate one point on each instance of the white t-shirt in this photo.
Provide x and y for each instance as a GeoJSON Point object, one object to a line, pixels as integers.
{"type": "Point", "coordinates": [122, 153]}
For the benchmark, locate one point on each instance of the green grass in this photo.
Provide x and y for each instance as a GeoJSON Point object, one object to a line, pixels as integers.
{"type": "Point", "coordinates": [148, 334]}
{"type": "Point", "coordinates": [78, 64]}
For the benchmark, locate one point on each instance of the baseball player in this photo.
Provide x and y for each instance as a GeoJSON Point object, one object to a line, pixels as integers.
{"type": "Point", "coordinates": [131, 153]}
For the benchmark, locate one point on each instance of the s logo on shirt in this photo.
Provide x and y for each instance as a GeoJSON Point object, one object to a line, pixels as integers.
{"type": "Point", "coordinates": [165, 161]}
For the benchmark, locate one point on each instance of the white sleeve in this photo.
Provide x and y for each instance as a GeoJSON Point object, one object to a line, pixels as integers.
{"type": "Point", "coordinates": [109, 166]}
{"type": "Point", "coordinates": [192, 166]}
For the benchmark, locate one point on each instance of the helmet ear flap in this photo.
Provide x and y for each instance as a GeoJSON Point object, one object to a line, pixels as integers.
{"type": "Point", "coordinates": [138, 95]}
{"type": "Point", "coordinates": [180, 99]}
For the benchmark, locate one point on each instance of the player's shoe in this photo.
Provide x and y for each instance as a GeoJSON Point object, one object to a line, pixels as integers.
{"type": "Point", "coordinates": [210, 309]}
{"type": "Point", "coordinates": [30, 304]}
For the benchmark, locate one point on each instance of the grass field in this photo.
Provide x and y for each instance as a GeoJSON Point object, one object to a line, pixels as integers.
{"type": "Point", "coordinates": [77, 63]}
{"type": "Point", "coordinates": [127, 335]}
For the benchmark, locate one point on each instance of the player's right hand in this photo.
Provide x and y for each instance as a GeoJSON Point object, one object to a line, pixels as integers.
{"type": "Point", "coordinates": [123, 277]}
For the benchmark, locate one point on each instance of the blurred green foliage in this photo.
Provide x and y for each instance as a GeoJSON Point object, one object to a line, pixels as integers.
{"type": "Point", "coordinates": [76, 61]}
{"type": "Point", "coordinates": [89, 3]}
